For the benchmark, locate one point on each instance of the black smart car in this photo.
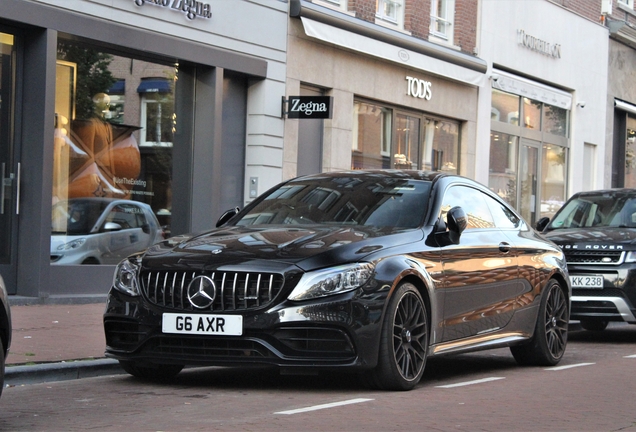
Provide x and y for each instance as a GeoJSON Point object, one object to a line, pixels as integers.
{"type": "Point", "coordinates": [368, 270]}
{"type": "Point", "coordinates": [597, 232]}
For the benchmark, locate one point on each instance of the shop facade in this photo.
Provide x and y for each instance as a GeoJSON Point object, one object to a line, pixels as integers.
{"type": "Point", "coordinates": [146, 102]}
{"type": "Point", "coordinates": [398, 101]}
{"type": "Point", "coordinates": [542, 114]}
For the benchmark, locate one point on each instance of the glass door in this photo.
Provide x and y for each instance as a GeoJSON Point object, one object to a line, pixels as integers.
{"type": "Point", "coordinates": [528, 175]}
{"type": "Point", "coordinates": [9, 166]}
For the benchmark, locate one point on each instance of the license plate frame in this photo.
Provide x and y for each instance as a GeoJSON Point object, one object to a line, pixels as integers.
{"type": "Point", "coordinates": [591, 281]}
{"type": "Point", "coordinates": [202, 324]}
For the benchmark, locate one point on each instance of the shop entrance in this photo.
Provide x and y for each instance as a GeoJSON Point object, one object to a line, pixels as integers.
{"type": "Point", "coordinates": [9, 164]}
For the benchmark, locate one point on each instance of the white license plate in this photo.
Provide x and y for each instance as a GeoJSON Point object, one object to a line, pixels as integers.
{"type": "Point", "coordinates": [586, 281]}
{"type": "Point", "coordinates": [219, 325]}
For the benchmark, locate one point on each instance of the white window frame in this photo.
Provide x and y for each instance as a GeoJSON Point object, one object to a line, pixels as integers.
{"type": "Point", "coordinates": [627, 3]}
{"type": "Point", "coordinates": [334, 4]}
{"type": "Point", "coordinates": [143, 124]}
{"type": "Point", "coordinates": [447, 17]}
{"type": "Point", "coordinates": [397, 5]}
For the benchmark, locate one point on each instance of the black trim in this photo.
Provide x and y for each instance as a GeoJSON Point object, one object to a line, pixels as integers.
{"type": "Point", "coordinates": [303, 8]}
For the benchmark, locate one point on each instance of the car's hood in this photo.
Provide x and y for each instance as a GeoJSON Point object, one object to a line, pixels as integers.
{"type": "Point", "coordinates": [308, 247]}
{"type": "Point", "coordinates": [597, 238]}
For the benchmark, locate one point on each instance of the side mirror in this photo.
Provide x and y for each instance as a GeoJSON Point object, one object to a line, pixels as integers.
{"type": "Point", "coordinates": [145, 228]}
{"type": "Point", "coordinates": [456, 221]}
{"type": "Point", "coordinates": [112, 226]}
{"type": "Point", "coordinates": [542, 223]}
{"type": "Point", "coordinates": [229, 214]}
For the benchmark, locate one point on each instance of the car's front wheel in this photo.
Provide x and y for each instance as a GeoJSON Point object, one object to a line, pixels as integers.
{"type": "Point", "coordinates": [403, 342]}
{"type": "Point", "coordinates": [150, 371]}
{"type": "Point", "coordinates": [594, 325]}
{"type": "Point", "coordinates": [547, 346]}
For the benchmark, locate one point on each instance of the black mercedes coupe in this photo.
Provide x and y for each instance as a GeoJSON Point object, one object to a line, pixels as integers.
{"type": "Point", "coordinates": [373, 271]}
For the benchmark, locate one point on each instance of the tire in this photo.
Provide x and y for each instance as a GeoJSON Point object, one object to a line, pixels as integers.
{"type": "Point", "coordinates": [1, 366]}
{"type": "Point", "coordinates": [150, 371]}
{"type": "Point", "coordinates": [594, 325]}
{"type": "Point", "coordinates": [547, 346]}
{"type": "Point", "coordinates": [403, 342]}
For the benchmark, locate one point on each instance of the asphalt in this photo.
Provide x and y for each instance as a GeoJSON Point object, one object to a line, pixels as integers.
{"type": "Point", "coordinates": [55, 342]}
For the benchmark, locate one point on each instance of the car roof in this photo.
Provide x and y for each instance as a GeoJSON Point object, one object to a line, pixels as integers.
{"type": "Point", "coordinates": [386, 173]}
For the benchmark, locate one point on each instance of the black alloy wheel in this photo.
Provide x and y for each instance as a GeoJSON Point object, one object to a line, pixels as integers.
{"type": "Point", "coordinates": [547, 346]}
{"type": "Point", "coordinates": [404, 341]}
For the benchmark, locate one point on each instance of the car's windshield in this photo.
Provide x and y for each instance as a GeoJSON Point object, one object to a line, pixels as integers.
{"type": "Point", "coordinates": [77, 216]}
{"type": "Point", "coordinates": [597, 210]}
{"type": "Point", "coordinates": [381, 202]}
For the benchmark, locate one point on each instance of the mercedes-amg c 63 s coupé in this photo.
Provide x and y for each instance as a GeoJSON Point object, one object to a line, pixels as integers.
{"type": "Point", "coordinates": [373, 271]}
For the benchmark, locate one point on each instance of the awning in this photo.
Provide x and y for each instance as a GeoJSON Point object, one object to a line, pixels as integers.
{"type": "Point", "coordinates": [625, 106]}
{"type": "Point", "coordinates": [119, 88]}
{"type": "Point", "coordinates": [386, 51]}
{"type": "Point", "coordinates": [154, 85]}
{"type": "Point", "coordinates": [531, 89]}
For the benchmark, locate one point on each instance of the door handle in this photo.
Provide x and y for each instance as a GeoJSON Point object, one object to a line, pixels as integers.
{"type": "Point", "coordinates": [504, 247]}
{"type": "Point", "coordinates": [6, 182]}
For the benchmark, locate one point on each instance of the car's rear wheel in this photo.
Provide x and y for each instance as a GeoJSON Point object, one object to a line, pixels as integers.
{"type": "Point", "coordinates": [403, 342]}
{"type": "Point", "coordinates": [547, 346]}
{"type": "Point", "coordinates": [1, 366]}
{"type": "Point", "coordinates": [594, 325]}
{"type": "Point", "coordinates": [150, 371]}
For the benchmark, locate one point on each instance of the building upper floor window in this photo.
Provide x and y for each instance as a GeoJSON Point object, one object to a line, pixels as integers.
{"type": "Point", "coordinates": [334, 4]}
{"type": "Point", "coordinates": [391, 11]}
{"type": "Point", "coordinates": [628, 3]}
{"type": "Point", "coordinates": [442, 18]}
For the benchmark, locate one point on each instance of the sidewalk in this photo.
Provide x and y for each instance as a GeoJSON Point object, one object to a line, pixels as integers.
{"type": "Point", "coordinates": [56, 342]}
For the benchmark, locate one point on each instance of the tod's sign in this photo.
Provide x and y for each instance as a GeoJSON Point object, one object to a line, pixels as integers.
{"type": "Point", "coordinates": [191, 8]}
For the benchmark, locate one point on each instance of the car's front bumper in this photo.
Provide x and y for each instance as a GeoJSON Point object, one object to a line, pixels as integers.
{"type": "Point", "coordinates": [616, 301]}
{"type": "Point", "coordinates": [333, 332]}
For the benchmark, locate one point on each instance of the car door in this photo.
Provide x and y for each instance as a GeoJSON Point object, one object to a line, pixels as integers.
{"type": "Point", "coordinates": [480, 275]}
{"type": "Point", "coordinates": [133, 236]}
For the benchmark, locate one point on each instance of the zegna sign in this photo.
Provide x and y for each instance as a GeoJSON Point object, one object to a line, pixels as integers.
{"type": "Point", "coordinates": [191, 8]}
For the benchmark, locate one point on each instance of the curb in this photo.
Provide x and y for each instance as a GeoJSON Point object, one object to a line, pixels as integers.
{"type": "Point", "coordinates": [61, 371]}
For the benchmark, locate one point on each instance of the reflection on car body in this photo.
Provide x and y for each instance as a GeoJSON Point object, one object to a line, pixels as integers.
{"type": "Point", "coordinates": [597, 232]}
{"type": "Point", "coordinates": [368, 270]}
{"type": "Point", "coordinates": [101, 230]}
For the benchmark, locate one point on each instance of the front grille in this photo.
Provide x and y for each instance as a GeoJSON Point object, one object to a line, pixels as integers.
{"type": "Point", "coordinates": [594, 257]}
{"type": "Point", "coordinates": [235, 291]}
{"type": "Point", "coordinates": [202, 349]}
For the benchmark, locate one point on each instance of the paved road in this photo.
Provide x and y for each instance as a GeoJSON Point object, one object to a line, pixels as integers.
{"type": "Point", "coordinates": [593, 389]}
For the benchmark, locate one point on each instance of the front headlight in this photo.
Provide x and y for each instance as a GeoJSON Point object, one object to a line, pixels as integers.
{"type": "Point", "coordinates": [334, 280]}
{"type": "Point", "coordinates": [72, 244]}
{"type": "Point", "coordinates": [125, 279]}
{"type": "Point", "coordinates": [630, 257]}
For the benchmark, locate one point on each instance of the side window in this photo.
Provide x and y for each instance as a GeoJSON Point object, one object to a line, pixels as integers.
{"type": "Point", "coordinates": [473, 203]}
{"type": "Point", "coordinates": [125, 215]}
{"type": "Point", "coordinates": [502, 215]}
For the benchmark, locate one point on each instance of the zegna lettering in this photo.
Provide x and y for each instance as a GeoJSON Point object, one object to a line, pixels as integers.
{"type": "Point", "coordinates": [308, 107]}
{"type": "Point", "coordinates": [191, 8]}
{"type": "Point", "coordinates": [418, 88]}
{"type": "Point", "coordinates": [538, 45]}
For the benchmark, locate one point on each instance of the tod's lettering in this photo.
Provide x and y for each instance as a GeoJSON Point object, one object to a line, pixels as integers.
{"type": "Point", "coordinates": [191, 8]}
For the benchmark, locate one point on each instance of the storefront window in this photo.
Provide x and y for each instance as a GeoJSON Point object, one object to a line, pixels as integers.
{"type": "Point", "coordinates": [100, 123]}
{"type": "Point", "coordinates": [555, 120]}
{"type": "Point", "coordinates": [553, 167]}
{"type": "Point", "coordinates": [415, 141]}
{"type": "Point", "coordinates": [505, 107]}
{"type": "Point", "coordinates": [531, 114]}
{"type": "Point", "coordinates": [503, 166]}
{"type": "Point", "coordinates": [371, 137]}
{"type": "Point", "coordinates": [630, 153]}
